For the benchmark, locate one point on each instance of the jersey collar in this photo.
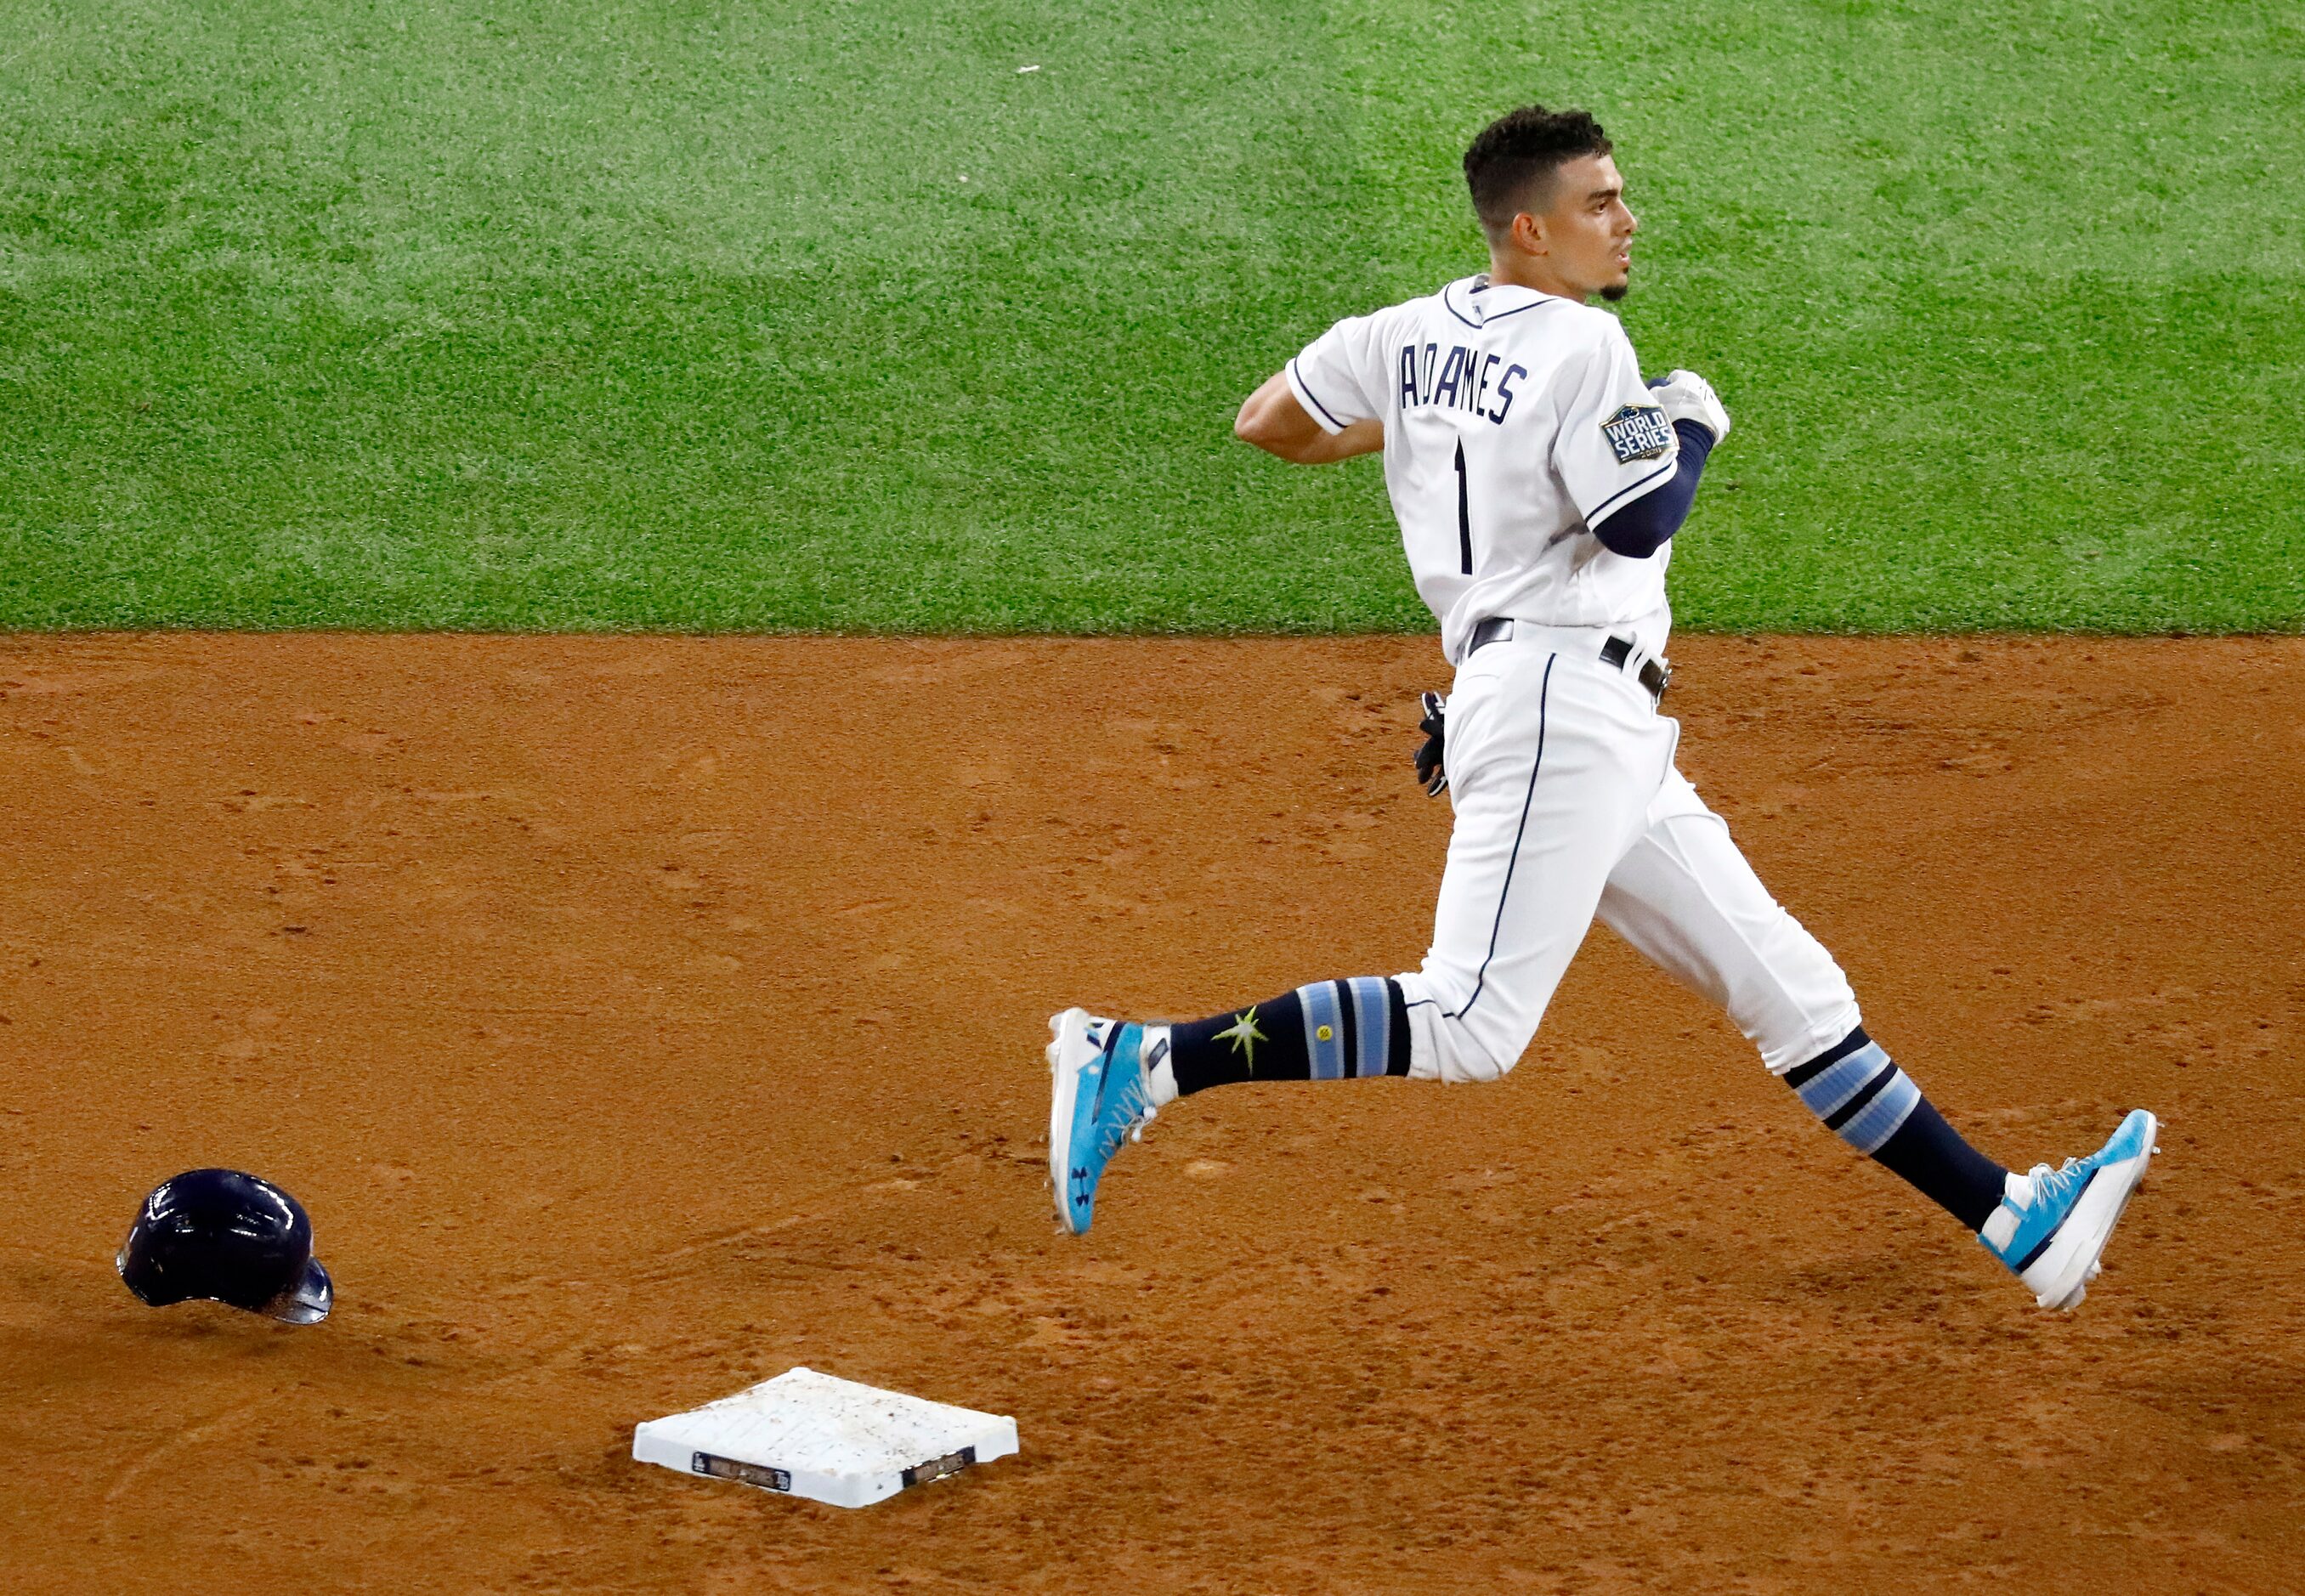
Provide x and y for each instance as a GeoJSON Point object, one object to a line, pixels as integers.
{"type": "Point", "coordinates": [1476, 301]}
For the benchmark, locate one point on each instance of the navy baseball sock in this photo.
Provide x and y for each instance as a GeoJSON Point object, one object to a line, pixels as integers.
{"type": "Point", "coordinates": [1331, 1031]}
{"type": "Point", "coordinates": [1875, 1107]}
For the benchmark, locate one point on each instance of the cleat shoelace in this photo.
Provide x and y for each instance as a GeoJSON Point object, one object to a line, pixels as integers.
{"type": "Point", "coordinates": [1136, 1114]}
{"type": "Point", "coordinates": [2056, 1185]}
{"type": "Point", "coordinates": [1136, 1110]}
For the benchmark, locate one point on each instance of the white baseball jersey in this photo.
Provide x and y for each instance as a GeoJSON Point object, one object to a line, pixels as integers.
{"type": "Point", "coordinates": [1513, 420]}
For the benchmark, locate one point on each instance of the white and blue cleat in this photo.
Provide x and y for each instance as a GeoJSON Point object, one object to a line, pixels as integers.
{"type": "Point", "coordinates": [2051, 1240]}
{"type": "Point", "coordinates": [1099, 1100]}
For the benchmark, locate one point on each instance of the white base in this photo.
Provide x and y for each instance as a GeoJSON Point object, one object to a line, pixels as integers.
{"type": "Point", "coordinates": [828, 1440]}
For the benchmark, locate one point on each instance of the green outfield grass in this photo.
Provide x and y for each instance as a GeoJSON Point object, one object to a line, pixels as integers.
{"type": "Point", "coordinates": [696, 314]}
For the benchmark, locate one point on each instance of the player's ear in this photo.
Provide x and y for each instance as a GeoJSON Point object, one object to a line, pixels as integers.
{"type": "Point", "coordinates": [1529, 235]}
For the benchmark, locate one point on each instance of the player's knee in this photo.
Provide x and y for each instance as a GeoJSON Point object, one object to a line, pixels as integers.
{"type": "Point", "coordinates": [1810, 1007]}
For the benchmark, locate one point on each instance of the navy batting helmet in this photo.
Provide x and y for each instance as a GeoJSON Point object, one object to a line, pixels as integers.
{"type": "Point", "coordinates": [229, 1237]}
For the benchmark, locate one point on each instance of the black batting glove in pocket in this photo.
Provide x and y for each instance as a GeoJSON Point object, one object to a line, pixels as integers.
{"type": "Point", "coordinates": [1431, 770]}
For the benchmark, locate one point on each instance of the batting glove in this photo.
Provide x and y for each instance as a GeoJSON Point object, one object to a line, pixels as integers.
{"type": "Point", "coordinates": [1430, 770]}
{"type": "Point", "coordinates": [1688, 397]}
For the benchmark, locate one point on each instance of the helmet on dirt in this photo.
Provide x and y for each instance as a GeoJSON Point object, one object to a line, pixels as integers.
{"type": "Point", "coordinates": [229, 1237]}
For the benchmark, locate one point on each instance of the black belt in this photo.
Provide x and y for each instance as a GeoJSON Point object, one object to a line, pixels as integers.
{"type": "Point", "coordinates": [1655, 674]}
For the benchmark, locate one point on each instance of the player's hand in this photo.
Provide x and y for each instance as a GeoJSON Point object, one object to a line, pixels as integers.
{"type": "Point", "coordinates": [1430, 769]}
{"type": "Point", "coordinates": [1688, 397]}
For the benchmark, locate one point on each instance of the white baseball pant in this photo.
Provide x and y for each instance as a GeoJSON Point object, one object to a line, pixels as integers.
{"type": "Point", "coordinates": [1568, 805]}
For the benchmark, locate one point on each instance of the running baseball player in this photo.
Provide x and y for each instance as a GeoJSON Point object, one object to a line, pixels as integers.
{"type": "Point", "coordinates": [1538, 481]}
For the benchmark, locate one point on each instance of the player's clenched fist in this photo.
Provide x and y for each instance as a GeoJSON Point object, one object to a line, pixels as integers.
{"type": "Point", "coordinates": [1688, 397]}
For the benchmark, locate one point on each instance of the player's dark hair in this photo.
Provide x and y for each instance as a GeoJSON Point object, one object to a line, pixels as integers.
{"type": "Point", "coordinates": [1512, 161]}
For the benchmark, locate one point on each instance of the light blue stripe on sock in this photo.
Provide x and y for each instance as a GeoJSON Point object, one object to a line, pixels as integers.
{"type": "Point", "coordinates": [1372, 1022]}
{"type": "Point", "coordinates": [1842, 1081]}
{"type": "Point", "coordinates": [1321, 1013]}
{"type": "Point", "coordinates": [1879, 1118]}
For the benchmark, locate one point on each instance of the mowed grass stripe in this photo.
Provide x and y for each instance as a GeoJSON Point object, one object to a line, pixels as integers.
{"type": "Point", "coordinates": [826, 317]}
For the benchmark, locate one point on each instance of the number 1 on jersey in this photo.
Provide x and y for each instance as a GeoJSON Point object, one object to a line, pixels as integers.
{"type": "Point", "coordinates": [1464, 513]}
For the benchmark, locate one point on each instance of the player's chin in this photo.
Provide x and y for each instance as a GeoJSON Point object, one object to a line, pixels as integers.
{"type": "Point", "coordinates": [1617, 290]}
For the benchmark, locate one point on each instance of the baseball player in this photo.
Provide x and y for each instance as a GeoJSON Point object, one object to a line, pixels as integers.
{"type": "Point", "coordinates": [1538, 481]}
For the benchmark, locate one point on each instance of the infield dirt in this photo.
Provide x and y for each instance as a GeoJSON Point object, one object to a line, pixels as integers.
{"type": "Point", "coordinates": [640, 1018]}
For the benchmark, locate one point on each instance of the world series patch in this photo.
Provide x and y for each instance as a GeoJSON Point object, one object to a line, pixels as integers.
{"type": "Point", "coordinates": [1639, 432]}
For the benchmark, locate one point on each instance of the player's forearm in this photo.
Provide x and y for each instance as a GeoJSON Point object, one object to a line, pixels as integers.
{"type": "Point", "coordinates": [1326, 448]}
{"type": "Point", "coordinates": [1274, 421]}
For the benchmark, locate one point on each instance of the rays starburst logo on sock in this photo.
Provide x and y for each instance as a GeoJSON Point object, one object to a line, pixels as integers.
{"type": "Point", "coordinates": [1244, 1035]}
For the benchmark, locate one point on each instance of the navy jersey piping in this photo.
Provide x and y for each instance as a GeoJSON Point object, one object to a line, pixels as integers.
{"type": "Point", "coordinates": [1447, 305]}
{"type": "Point", "coordinates": [1314, 397]}
{"type": "Point", "coordinates": [1597, 511]}
{"type": "Point", "coordinates": [1517, 309]}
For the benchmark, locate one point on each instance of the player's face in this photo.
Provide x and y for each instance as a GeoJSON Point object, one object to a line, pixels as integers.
{"type": "Point", "coordinates": [1587, 231]}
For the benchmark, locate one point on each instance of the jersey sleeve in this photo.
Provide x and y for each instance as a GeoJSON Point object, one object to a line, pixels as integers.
{"type": "Point", "coordinates": [1614, 444]}
{"type": "Point", "coordinates": [1331, 378]}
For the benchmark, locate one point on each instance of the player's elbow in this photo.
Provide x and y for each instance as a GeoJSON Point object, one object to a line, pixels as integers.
{"type": "Point", "coordinates": [1273, 420]}
{"type": "Point", "coordinates": [1261, 422]}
